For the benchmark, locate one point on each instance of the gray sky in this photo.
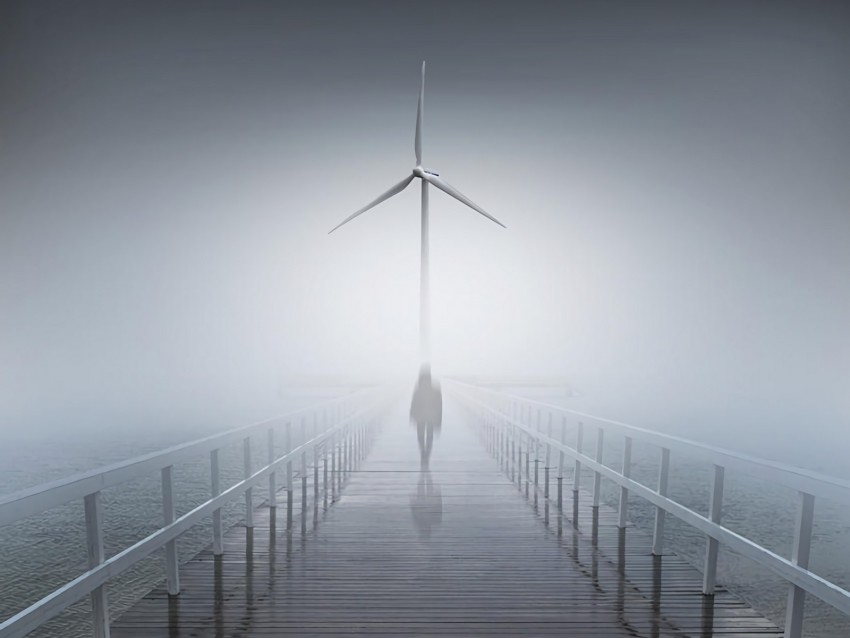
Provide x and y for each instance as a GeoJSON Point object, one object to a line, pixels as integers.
{"type": "Point", "coordinates": [674, 178]}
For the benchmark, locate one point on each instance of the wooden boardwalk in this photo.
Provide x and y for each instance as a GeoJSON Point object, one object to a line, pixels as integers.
{"type": "Point", "coordinates": [458, 551]}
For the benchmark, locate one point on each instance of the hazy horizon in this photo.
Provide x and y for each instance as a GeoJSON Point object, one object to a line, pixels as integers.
{"type": "Point", "coordinates": [674, 178]}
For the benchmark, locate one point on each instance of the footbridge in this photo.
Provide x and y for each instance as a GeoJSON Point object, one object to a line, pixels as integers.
{"type": "Point", "coordinates": [343, 531]}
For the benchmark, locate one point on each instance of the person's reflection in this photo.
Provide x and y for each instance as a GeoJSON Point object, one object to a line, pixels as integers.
{"type": "Point", "coordinates": [426, 505]}
{"type": "Point", "coordinates": [426, 411]}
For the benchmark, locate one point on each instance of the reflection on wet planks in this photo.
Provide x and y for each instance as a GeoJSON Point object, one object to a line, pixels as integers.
{"type": "Point", "coordinates": [455, 551]}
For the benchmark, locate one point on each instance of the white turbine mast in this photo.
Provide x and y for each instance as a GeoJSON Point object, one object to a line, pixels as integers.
{"type": "Point", "coordinates": [426, 177]}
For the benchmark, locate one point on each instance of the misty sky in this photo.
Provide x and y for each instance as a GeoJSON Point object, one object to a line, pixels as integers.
{"type": "Point", "coordinates": [675, 178]}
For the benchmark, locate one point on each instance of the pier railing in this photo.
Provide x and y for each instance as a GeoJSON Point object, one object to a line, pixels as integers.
{"type": "Point", "coordinates": [331, 435]}
{"type": "Point", "coordinates": [514, 426]}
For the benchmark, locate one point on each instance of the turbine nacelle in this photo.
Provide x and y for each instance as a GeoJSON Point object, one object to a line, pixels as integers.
{"type": "Point", "coordinates": [422, 172]}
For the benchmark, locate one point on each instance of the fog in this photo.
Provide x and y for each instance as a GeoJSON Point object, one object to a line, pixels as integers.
{"type": "Point", "coordinates": [674, 179]}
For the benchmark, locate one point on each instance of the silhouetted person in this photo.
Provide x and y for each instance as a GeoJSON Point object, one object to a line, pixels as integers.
{"type": "Point", "coordinates": [426, 411]}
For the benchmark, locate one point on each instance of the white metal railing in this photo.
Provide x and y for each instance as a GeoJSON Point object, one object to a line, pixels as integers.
{"type": "Point", "coordinates": [507, 420]}
{"type": "Point", "coordinates": [338, 436]}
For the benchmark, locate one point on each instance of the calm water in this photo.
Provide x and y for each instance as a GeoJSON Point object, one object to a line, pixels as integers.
{"type": "Point", "coordinates": [756, 509]}
{"type": "Point", "coordinates": [52, 545]}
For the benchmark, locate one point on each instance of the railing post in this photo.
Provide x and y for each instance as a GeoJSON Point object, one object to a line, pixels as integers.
{"type": "Point", "coordinates": [503, 445]}
{"type": "Point", "coordinates": [315, 475]}
{"type": "Point", "coordinates": [94, 550]}
{"type": "Point", "coordinates": [715, 509]}
{"type": "Point", "coordinates": [527, 462]}
{"type": "Point", "coordinates": [325, 474]}
{"type": "Point", "coordinates": [350, 451]}
{"type": "Point", "coordinates": [341, 462]}
{"type": "Point", "coordinates": [507, 420]}
{"type": "Point", "coordinates": [340, 475]}
{"type": "Point", "coordinates": [172, 571]}
{"type": "Point", "coordinates": [519, 459]}
{"type": "Point", "coordinates": [355, 448]}
{"type": "Point", "coordinates": [333, 467]}
{"type": "Point", "coordinates": [497, 431]}
{"type": "Point", "coordinates": [800, 557]}
{"type": "Point", "coordinates": [249, 496]}
{"type": "Point", "coordinates": [624, 491]}
{"type": "Point", "coordinates": [577, 471]}
{"type": "Point", "coordinates": [536, 467]}
{"type": "Point", "coordinates": [289, 495]}
{"type": "Point", "coordinates": [325, 441]}
{"type": "Point", "coordinates": [561, 466]}
{"type": "Point", "coordinates": [346, 442]}
{"type": "Point", "coordinates": [660, 514]}
{"type": "Point", "coordinates": [303, 475]}
{"type": "Point", "coordinates": [273, 475]}
{"type": "Point", "coordinates": [513, 451]}
{"type": "Point", "coordinates": [597, 476]}
{"type": "Point", "coordinates": [215, 480]}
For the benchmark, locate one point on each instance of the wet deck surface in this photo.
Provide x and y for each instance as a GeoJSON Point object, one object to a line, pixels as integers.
{"type": "Point", "coordinates": [458, 551]}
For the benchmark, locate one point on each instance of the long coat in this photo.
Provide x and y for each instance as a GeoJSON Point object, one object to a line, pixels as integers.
{"type": "Point", "coordinates": [427, 405]}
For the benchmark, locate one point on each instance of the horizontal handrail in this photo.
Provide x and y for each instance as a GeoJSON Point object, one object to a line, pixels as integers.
{"type": "Point", "coordinates": [83, 486]}
{"type": "Point", "coordinates": [794, 571]}
{"type": "Point", "coordinates": [832, 488]}
{"type": "Point", "coordinates": [827, 591]}
{"type": "Point", "coordinates": [34, 500]}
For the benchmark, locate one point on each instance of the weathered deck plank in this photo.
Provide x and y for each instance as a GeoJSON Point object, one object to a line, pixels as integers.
{"type": "Point", "coordinates": [463, 555]}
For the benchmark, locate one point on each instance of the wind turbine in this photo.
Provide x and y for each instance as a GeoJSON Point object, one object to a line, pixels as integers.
{"type": "Point", "coordinates": [426, 177]}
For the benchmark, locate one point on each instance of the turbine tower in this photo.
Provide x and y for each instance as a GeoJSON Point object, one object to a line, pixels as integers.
{"type": "Point", "coordinates": [426, 177]}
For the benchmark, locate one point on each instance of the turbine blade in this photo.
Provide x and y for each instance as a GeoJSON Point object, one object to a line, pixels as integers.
{"type": "Point", "coordinates": [419, 114]}
{"type": "Point", "coordinates": [395, 190]}
{"type": "Point", "coordinates": [451, 190]}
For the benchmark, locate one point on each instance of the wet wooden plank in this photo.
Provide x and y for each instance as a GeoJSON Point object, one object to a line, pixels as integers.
{"type": "Point", "coordinates": [457, 551]}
